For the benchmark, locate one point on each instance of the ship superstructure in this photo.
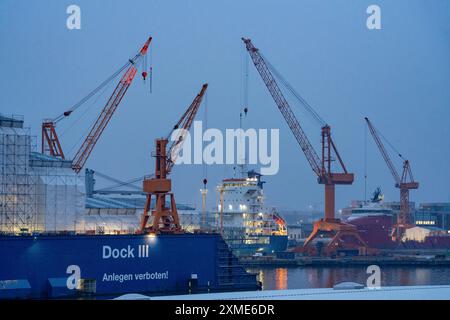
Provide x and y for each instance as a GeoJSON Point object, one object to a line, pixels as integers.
{"type": "Point", "coordinates": [246, 223]}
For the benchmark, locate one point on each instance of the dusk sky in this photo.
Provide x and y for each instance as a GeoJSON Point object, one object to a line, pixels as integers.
{"type": "Point", "coordinates": [398, 76]}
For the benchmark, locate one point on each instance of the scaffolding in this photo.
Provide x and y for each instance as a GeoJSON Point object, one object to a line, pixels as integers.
{"type": "Point", "coordinates": [60, 195]}
{"type": "Point", "coordinates": [17, 187]}
{"type": "Point", "coordinates": [38, 193]}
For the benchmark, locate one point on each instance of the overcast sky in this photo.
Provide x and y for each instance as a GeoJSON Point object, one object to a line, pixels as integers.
{"type": "Point", "coordinates": [398, 76]}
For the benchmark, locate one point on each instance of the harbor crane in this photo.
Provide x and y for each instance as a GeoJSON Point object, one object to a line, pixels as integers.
{"type": "Point", "coordinates": [405, 182]}
{"type": "Point", "coordinates": [50, 141]}
{"type": "Point", "coordinates": [165, 220]}
{"type": "Point", "coordinates": [341, 236]}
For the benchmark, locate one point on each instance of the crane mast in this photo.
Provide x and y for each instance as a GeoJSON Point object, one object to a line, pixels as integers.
{"type": "Point", "coordinates": [405, 182]}
{"type": "Point", "coordinates": [320, 166]}
{"type": "Point", "coordinates": [165, 220]}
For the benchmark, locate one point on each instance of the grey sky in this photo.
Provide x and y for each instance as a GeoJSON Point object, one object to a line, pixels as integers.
{"type": "Point", "coordinates": [398, 76]}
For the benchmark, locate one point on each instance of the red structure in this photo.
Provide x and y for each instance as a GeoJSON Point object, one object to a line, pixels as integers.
{"type": "Point", "coordinates": [50, 141]}
{"type": "Point", "coordinates": [339, 236]}
{"type": "Point", "coordinates": [165, 219]}
{"type": "Point", "coordinates": [404, 183]}
{"type": "Point", "coordinates": [375, 231]}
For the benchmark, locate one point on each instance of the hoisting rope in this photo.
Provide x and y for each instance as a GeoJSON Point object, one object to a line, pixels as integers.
{"type": "Point", "coordinates": [389, 143]}
{"type": "Point", "coordinates": [205, 166]}
{"type": "Point", "coordinates": [286, 84]}
{"type": "Point", "coordinates": [92, 93]}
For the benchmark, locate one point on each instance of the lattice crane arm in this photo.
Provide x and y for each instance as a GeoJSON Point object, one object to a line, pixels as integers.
{"type": "Point", "coordinates": [105, 116]}
{"type": "Point", "coordinates": [383, 152]}
{"type": "Point", "coordinates": [184, 124]}
{"type": "Point", "coordinates": [283, 106]}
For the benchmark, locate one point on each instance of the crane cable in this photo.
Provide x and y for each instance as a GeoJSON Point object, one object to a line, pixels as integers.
{"type": "Point", "coordinates": [131, 61]}
{"type": "Point", "coordinates": [151, 69]}
{"type": "Point", "coordinates": [389, 143]}
{"type": "Point", "coordinates": [205, 166]}
{"type": "Point", "coordinates": [130, 183]}
{"type": "Point", "coordinates": [77, 143]}
{"type": "Point", "coordinates": [94, 102]}
{"type": "Point", "coordinates": [286, 84]}
{"type": "Point", "coordinates": [394, 149]}
{"type": "Point", "coordinates": [104, 85]}
{"type": "Point", "coordinates": [92, 93]}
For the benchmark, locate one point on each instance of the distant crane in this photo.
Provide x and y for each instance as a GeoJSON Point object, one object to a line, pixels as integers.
{"type": "Point", "coordinates": [50, 141]}
{"type": "Point", "coordinates": [165, 220]}
{"type": "Point", "coordinates": [329, 226]}
{"type": "Point", "coordinates": [405, 182]}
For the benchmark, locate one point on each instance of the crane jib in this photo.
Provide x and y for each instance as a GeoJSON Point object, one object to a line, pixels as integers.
{"type": "Point", "coordinates": [50, 140]}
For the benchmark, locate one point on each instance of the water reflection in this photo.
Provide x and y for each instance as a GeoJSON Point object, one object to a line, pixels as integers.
{"type": "Point", "coordinates": [326, 277]}
{"type": "Point", "coordinates": [281, 278]}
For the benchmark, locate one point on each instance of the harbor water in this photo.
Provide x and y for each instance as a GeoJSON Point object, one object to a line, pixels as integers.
{"type": "Point", "coordinates": [279, 278]}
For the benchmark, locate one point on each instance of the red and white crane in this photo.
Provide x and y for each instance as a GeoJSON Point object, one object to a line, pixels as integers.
{"type": "Point", "coordinates": [50, 141]}
{"type": "Point", "coordinates": [405, 182]}
{"type": "Point", "coordinates": [329, 227]}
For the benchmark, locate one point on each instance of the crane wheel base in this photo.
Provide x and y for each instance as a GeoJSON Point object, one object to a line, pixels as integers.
{"type": "Point", "coordinates": [331, 237]}
{"type": "Point", "coordinates": [165, 219]}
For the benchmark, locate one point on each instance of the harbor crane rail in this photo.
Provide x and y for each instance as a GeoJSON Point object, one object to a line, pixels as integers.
{"type": "Point", "coordinates": [330, 227]}
{"type": "Point", "coordinates": [50, 142]}
{"type": "Point", "coordinates": [405, 182]}
{"type": "Point", "coordinates": [165, 219]}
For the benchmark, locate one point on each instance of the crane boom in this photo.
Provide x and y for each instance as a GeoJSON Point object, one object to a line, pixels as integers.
{"type": "Point", "coordinates": [184, 124]}
{"type": "Point", "coordinates": [105, 116]}
{"type": "Point", "coordinates": [383, 152]}
{"type": "Point", "coordinates": [283, 106]}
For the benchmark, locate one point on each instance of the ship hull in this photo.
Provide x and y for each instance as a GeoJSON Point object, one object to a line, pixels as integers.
{"type": "Point", "coordinates": [117, 264]}
{"type": "Point", "coordinates": [374, 230]}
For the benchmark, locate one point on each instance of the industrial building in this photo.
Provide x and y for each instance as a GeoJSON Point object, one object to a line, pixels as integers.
{"type": "Point", "coordinates": [435, 214]}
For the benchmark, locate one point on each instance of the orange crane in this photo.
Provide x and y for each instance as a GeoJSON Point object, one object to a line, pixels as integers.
{"type": "Point", "coordinates": [404, 183]}
{"type": "Point", "coordinates": [165, 220]}
{"type": "Point", "coordinates": [340, 236]}
{"type": "Point", "coordinates": [50, 141]}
